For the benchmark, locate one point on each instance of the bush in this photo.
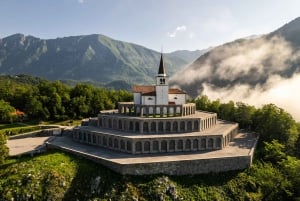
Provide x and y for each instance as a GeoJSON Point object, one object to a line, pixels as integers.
{"type": "Point", "coordinates": [3, 148]}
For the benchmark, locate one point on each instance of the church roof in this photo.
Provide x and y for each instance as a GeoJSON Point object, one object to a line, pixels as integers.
{"type": "Point", "coordinates": [150, 90]}
{"type": "Point", "coordinates": [161, 69]}
{"type": "Point", "coordinates": [176, 91]}
{"type": "Point", "coordinates": [143, 89]}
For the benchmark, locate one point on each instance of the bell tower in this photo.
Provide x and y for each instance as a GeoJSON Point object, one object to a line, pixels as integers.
{"type": "Point", "coordinates": [162, 87]}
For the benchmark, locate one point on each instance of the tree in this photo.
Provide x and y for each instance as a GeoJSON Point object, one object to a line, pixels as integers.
{"type": "Point", "coordinates": [227, 111]}
{"type": "Point", "coordinates": [6, 111]}
{"type": "Point", "coordinates": [272, 122]}
{"type": "Point", "coordinates": [202, 103]}
{"type": "Point", "coordinates": [3, 148]}
{"type": "Point", "coordinates": [243, 115]}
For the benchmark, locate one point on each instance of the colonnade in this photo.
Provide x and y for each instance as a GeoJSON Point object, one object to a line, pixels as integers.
{"type": "Point", "coordinates": [153, 145]}
{"type": "Point", "coordinates": [129, 108]}
{"type": "Point", "coordinates": [144, 126]}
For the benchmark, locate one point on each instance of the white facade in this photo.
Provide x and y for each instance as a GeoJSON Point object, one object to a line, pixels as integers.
{"type": "Point", "coordinates": [148, 100]}
{"type": "Point", "coordinates": [158, 94]}
{"type": "Point", "coordinates": [137, 98]}
{"type": "Point", "coordinates": [179, 99]}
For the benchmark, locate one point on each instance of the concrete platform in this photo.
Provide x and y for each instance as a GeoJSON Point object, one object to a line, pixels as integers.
{"type": "Point", "coordinates": [238, 155]}
{"type": "Point", "coordinates": [26, 145]}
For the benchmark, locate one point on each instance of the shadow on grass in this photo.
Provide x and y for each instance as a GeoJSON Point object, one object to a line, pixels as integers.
{"type": "Point", "coordinates": [93, 180]}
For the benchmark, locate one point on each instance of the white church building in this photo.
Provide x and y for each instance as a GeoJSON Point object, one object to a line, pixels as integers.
{"type": "Point", "coordinates": [160, 93]}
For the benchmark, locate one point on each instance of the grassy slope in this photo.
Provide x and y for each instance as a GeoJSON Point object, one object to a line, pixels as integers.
{"type": "Point", "coordinates": [60, 176]}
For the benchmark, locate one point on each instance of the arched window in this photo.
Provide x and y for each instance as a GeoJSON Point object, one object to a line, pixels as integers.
{"type": "Point", "coordinates": [137, 126]}
{"type": "Point", "coordinates": [110, 142]}
{"type": "Point", "coordinates": [196, 125]}
{"type": "Point", "coordinates": [128, 146]}
{"type": "Point", "coordinates": [131, 126]}
{"type": "Point", "coordinates": [175, 126]}
{"type": "Point", "coordinates": [195, 144]}
{"type": "Point", "coordinates": [210, 143]}
{"type": "Point", "coordinates": [116, 143]}
{"type": "Point", "coordinates": [172, 145]}
{"type": "Point", "coordinates": [89, 137]}
{"type": "Point", "coordinates": [182, 125]}
{"type": "Point", "coordinates": [153, 127]}
{"type": "Point", "coordinates": [203, 143]}
{"type": "Point", "coordinates": [115, 126]}
{"type": "Point", "coordinates": [147, 146]}
{"type": "Point", "coordinates": [218, 142]}
{"type": "Point", "coordinates": [122, 144]}
{"type": "Point", "coordinates": [179, 144]}
{"type": "Point", "coordinates": [160, 126]}
{"type": "Point", "coordinates": [109, 123]}
{"type": "Point", "coordinates": [155, 146]}
{"type": "Point", "coordinates": [168, 126]}
{"type": "Point", "coordinates": [164, 146]}
{"type": "Point", "coordinates": [189, 126]}
{"type": "Point", "coordinates": [104, 141]}
{"type": "Point", "coordinates": [145, 127]}
{"type": "Point", "coordinates": [120, 124]}
{"type": "Point", "coordinates": [138, 146]}
{"type": "Point", "coordinates": [188, 144]}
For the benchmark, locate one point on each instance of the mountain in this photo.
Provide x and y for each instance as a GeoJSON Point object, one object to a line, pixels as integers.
{"type": "Point", "coordinates": [95, 58]}
{"type": "Point", "coordinates": [253, 63]}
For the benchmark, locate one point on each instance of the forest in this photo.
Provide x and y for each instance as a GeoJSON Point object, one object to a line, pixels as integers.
{"type": "Point", "coordinates": [274, 175]}
{"type": "Point", "coordinates": [40, 99]}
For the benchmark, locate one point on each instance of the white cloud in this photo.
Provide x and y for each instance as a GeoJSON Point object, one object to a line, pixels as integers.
{"type": "Point", "coordinates": [81, 1]}
{"type": "Point", "coordinates": [280, 91]}
{"type": "Point", "coordinates": [175, 32]}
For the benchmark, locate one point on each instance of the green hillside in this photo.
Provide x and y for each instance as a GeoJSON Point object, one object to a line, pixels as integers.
{"type": "Point", "coordinates": [95, 58]}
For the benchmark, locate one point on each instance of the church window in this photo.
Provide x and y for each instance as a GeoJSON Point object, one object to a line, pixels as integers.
{"type": "Point", "coordinates": [162, 81]}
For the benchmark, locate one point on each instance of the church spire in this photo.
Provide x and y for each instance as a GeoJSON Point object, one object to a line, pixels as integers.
{"type": "Point", "coordinates": [161, 69]}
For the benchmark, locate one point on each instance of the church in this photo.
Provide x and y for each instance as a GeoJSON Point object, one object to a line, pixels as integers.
{"type": "Point", "coordinates": [159, 132]}
{"type": "Point", "coordinates": [160, 94]}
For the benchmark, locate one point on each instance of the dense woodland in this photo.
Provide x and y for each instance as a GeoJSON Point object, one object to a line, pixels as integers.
{"type": "Point", "coordinates": [40, 99]}
{"type": "Point", "coordinates": [275, 174]}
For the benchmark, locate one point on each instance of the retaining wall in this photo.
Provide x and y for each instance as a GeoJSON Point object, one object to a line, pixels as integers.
{"type": "Point", "coordinates": [186, 167]}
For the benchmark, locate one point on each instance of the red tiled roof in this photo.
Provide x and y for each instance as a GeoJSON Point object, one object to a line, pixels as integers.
{"type": "Point", "coordinates": [150, 90]}
{"type": "Point", "coordinates": [176, 91]}
{"type": "Point", "coordinates": [143, 89]}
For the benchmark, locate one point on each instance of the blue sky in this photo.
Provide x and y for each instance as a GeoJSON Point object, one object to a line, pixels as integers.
{"type": "Point", "coordinates": [173, 24]}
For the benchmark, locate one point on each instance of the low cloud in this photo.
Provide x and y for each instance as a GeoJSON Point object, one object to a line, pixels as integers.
{"type": "Point", "coordinates": [277, 90]}
{"type": "Point", "coordinates": [255, 71]}
{"type": "Point", "coordinates": [175, 32]}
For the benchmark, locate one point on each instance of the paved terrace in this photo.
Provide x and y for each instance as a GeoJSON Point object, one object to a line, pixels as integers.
{"type": "Point", "coordinates": [238, 155]}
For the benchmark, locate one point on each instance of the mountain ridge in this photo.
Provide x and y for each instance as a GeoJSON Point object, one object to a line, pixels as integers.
{"type": "Point", "coordinates": [94, 57]}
